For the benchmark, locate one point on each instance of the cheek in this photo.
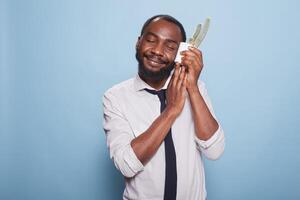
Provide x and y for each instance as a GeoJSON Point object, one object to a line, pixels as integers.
{"type": "Point", "coordinates": [171, 56]}
{"type": "Point", "coordinates": [144, 49]}
{"type": "Point", "coordinates": [144, 46]}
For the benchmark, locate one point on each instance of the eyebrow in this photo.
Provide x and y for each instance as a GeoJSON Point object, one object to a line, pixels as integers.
{"type": "Point", "coordinates": [168, 40]}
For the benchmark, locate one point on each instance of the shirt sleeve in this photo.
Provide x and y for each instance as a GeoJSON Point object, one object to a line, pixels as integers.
{"type": "Point", "coordinates": [119, 136]}
{"type": "Point", "coordinates": [212, 148]}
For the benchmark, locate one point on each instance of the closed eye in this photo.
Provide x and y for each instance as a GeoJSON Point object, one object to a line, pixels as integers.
{"type": "Point", "coordinates": [172, 47]}
{"type": "Point", "coordinates": [150, 40]}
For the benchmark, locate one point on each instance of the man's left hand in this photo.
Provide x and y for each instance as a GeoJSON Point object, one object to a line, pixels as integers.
{"type": "Point", "coordinates": [192, 60]}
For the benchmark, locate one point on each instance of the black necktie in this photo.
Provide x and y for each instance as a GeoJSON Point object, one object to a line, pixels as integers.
{"type": "Point", "coordinates": [171, 171]}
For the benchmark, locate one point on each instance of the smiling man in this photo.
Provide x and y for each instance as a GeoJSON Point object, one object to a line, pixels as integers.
{"type": "Point", "coordinates": [160, 124]}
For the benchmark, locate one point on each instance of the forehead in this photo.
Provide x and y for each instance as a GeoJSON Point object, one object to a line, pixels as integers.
{"type": "Point", "coordinates": [164, 29]}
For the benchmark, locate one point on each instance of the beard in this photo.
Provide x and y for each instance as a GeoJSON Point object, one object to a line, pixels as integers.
{"type": "Point", "coordinates": [162, 74]}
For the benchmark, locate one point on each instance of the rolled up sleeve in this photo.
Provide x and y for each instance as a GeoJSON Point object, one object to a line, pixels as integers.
{"type": "Point", "coordinates": [214, 147]}
{"type": "Point", "coordinates": [119, 136]}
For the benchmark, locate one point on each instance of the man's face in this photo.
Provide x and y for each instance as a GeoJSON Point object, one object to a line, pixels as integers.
{"type": "Point", "coordinates": [157, 48]}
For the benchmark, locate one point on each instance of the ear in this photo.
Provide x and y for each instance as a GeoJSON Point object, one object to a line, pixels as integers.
{"type": "Point", "coordinates": [138, 42]}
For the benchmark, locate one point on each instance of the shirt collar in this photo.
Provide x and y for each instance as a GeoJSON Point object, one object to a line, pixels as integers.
{"type": "Point", "coordinates": [139, 84]}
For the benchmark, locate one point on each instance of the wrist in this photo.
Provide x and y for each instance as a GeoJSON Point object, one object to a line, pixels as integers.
{"type": "Point", "coordinates": [171, 112]}
{"type": "Point", "coordinates": [193, 89]}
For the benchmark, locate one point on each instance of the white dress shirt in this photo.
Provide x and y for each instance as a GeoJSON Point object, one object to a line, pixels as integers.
{"type": "Point", "coordinates": [129, 110]}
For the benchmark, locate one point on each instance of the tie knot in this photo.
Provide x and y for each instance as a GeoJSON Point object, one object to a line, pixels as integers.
{"type": "Point", "coordinates": [160, 93]}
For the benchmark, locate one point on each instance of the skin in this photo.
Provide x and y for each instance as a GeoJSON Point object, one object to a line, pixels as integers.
{"type": "Point", "coordinates": [157, 48]}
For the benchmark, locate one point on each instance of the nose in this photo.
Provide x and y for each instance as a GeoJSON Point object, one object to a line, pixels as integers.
{"type": "Point", "coordinates": [158, 49]}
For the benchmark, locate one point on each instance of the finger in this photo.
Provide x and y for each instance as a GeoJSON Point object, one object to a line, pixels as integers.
{"type": "Point", "coordinates": [191, 55]}
{"type": "Point", "coordinates": [190, 62]}
{"type": "Point", "coordinates": [172, 78]}
{"type": "Point", "coordinates": [176, 75]}
{"type": "Point", "coordinates": [184, 82]}
{"type": "Point", "coordinates": [181, 77]}
{"type": "Point", "coordinates": [177, 65]}
{"type": "Point", "coordinates": [196, 51]}
{"type": "Point", "coordinates": [182, 90]}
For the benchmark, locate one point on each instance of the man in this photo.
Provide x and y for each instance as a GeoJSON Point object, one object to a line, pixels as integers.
{"type": "Point", "coordinates": [159, 124]}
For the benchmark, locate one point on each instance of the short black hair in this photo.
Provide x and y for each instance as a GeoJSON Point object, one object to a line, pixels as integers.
{"type": "Point", "coordinates": [169, 19]}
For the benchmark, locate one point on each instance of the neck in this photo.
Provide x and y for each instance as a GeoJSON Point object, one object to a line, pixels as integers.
{"type": "Point", "coordinates": [157, 84]}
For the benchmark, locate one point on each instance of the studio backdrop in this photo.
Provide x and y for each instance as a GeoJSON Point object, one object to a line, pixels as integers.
{"type": "Point", "coordinates": [58, 57]}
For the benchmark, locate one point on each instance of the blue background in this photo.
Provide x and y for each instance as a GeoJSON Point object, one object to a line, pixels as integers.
{"type": "Point", "coordinates": [58, 58]}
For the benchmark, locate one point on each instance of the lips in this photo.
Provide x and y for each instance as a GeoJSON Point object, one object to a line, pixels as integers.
{"type": "Point", "coordinates": [155, 61]}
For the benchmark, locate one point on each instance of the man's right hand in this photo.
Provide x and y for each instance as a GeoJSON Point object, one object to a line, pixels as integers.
{"type": "Point", "coordinates": [176, 91]}
{"type": "Point", "coordinates": [147, 143]}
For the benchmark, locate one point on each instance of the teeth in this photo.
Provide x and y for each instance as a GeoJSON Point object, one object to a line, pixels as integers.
{"type": "Point", "coordinates": [155, 61]}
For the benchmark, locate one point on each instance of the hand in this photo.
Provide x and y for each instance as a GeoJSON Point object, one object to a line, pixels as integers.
{"type": "Point", "coordinates": [176, 90]}
{"type": "Point", "coordinates": [192, 59]}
